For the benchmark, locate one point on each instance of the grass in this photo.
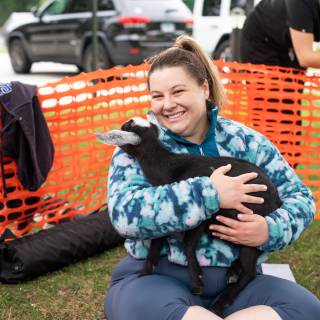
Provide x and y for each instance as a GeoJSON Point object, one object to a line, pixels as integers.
{"type": "Point", "coordinates": [77, 291]}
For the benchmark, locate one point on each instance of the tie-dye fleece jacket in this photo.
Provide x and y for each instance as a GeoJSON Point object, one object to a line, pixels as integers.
{"type": "Point", "coordinates": [140, 211]}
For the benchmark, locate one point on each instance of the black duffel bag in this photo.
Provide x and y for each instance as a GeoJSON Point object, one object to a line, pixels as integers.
{"type": "Point", "coordinates": [29, 256]}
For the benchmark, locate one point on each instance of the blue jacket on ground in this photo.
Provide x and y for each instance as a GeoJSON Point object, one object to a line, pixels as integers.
{"type": "Point", "coordinates": [140, 211]}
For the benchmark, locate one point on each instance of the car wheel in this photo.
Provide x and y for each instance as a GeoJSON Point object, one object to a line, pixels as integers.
{"type": "Point", "coordinates": [223, 51]}
{"type": "Point", "coordinates": [19, 59]}
{"type": "Point", "coordinates": [103, 58]}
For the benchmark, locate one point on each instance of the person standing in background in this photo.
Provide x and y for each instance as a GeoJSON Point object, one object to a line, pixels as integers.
{"type": "Point", "coordinates": [281, 33]}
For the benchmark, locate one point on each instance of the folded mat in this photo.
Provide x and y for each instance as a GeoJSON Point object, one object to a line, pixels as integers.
{"type": "Point", "coordinates": [32, 255]}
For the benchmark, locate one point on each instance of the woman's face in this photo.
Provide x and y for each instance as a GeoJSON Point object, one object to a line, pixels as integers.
{"type": "Point", "coordinates": [179, 103]}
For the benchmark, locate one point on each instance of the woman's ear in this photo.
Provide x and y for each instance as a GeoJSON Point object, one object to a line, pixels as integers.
{"type": "Point", "coordinates": [206, 90]}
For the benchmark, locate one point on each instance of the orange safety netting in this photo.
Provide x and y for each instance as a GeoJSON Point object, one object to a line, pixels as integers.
{"type": "Point", "coordinates": [280, 103]}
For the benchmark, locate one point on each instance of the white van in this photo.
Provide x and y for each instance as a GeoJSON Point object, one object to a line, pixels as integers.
{"type": "Point", "coordinates": [214, 21]}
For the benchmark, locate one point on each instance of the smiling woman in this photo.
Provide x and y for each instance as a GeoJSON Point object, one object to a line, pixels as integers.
{"type": "Point", "coordinates": [186, 95]}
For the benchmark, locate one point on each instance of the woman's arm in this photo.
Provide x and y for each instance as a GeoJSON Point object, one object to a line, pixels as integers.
{"type": "Point", "coordinates": [301, 22]}
{"type": "Point", "coordinates": [283, 226]}
{"type": "Point", "coordinates": [303, 47]}
{"type": "Point", "coordinates": [139, 210]}
{"type": "Point", "coordinates": [298, 209]}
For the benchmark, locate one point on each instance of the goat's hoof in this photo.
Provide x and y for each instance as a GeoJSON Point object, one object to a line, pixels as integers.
{"type": "Point", "coordinates": [218, 307]}
{"type": "Point", "coordinates": [216, 311]}
{"type": "Point", "coordinates": [197, 291]}
{"type": "Point", "coordinates": [234, 278]}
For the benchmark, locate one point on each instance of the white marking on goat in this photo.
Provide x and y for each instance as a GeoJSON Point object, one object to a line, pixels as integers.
{"type": "Point", "coordinates": [118, 137]}
{"type": "Point", "coordinates": [141, 122]}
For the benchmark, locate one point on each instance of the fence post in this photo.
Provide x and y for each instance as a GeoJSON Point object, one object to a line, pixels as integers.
{"type": "Point", "coordinates": [94, 35]}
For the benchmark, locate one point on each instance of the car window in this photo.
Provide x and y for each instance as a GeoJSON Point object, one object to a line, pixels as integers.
{"type": "Point", "coordinates": [211, 8]}
{"type": "Point", "coordinates": [245, 5]}
{"type": "Point", "coordinates": [157, 8]}
{"type": "Point", "coordinates": [189, 3]}
{"type": "Point", "coordinates": [238, 6]}
{"type": "Point", "coordinates": [104, 5]}
{"type": "Point", "coordinates": [85, 6]}
{"type": "Point", "coordinates": [56, 7]}
{"type": "Point", "coordinates": [80, 6]}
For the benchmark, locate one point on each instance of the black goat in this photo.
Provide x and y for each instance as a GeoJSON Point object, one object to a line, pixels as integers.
{"type": "Point", "coordinates": [139, 139]}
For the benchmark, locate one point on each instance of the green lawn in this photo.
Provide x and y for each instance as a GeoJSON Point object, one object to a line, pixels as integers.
{"type": "Point", "coordinates": [77, 292]}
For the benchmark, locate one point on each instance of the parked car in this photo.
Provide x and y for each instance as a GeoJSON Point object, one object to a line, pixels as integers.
{"type": "Point", "coordinates": [61, 31]}
{"type": "Point", "coordinates": [214, 21]}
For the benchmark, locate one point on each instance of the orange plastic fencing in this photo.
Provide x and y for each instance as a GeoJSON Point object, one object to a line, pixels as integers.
{"type": "Point", "coordinates": [282, 104]}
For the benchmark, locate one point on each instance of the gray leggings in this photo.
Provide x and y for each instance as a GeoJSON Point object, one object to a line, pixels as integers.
{"type": "Point", "coordinates": [166, 294]}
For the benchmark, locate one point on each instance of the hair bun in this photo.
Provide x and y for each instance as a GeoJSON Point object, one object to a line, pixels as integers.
{"type": "Point", "coordinates": [184, 42]}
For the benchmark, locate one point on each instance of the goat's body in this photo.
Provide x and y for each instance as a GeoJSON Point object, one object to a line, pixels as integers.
{"type": "Point", "coordinates": [160, 166]}
{"type": "Point", "coordinates": [183, 166]}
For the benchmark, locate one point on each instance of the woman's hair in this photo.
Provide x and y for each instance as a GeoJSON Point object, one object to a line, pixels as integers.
{"type": "Point", "coordinates": [187, 53]}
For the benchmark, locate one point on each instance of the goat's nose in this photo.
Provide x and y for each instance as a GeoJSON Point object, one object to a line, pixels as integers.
{"type": "Point", "coordinates": [127, 125]}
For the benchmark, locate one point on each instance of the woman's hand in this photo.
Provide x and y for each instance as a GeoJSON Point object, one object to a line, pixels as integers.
{"type": "Point", "coordinates": [251, 229]}
{"type": "Point", "coordinates": [233, 191]}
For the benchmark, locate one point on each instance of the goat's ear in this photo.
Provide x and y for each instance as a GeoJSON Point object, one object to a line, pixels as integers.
{"type": "Point", "coordinates": [118, 138]}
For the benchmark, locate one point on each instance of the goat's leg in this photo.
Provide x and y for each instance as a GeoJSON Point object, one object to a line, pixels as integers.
{"type": "Point", "coordinates": [191, 240]}
{"type": "Point", "coordinates": [152, 257]}
{"type": "Point", "coordinates": [248, 261]}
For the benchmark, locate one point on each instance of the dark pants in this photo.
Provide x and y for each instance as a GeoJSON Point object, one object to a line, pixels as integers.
{"type": "Point", "coordinates": [166, 295]}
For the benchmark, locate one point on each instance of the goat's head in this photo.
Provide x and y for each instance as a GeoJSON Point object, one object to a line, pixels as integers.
{"type": "Point", "coordinates": [133, 133]}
